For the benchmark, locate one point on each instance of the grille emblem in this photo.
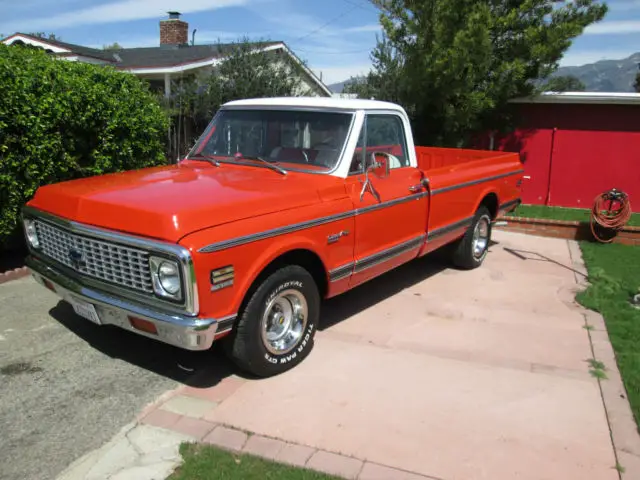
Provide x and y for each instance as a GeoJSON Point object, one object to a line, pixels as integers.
{"type": "Point", "coordinates": [77, 258]}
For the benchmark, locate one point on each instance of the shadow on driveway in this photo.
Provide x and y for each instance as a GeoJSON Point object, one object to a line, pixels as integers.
{"type": "Point", "coordinates": [197, 369]}
{"type": "Point", "coordinates": [206, 369]}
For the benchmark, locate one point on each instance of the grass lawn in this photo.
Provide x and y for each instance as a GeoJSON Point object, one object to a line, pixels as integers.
{"type": "Point", "coordinates": [561, 213]}
{"type": "Point", "coordinates": [204, 462]}
{"type": "Point", "coordinates": [614, 274]}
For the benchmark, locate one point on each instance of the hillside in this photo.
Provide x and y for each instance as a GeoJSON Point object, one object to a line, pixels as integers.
{"type": "Point", "coordinates": [606, 75]}
{"type": "Point", "coordinates": [602, 76]}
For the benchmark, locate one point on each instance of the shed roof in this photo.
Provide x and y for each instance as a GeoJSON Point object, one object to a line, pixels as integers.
{"type": "Point", "coordinates": [603, 98]}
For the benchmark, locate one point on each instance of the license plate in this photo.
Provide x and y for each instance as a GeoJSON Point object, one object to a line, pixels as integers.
{"type": "Point", "coordinates": [85, 310]}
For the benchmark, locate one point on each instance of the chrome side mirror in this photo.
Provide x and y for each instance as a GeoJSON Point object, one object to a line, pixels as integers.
{"type": "Point", "coordinates": [379, 164]}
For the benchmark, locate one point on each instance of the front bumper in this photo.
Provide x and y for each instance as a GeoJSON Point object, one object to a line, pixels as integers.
{"type": "Point", "coordinates": [191, 333]}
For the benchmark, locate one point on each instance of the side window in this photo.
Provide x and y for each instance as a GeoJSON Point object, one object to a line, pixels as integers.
{"type": "Point", "coordinates": [385, 133]}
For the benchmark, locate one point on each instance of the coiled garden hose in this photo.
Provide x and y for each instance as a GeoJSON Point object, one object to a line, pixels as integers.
{"type": "Point", "coordinates": [610, 213]}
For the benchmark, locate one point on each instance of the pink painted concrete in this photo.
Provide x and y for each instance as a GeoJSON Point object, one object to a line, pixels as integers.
{"type": "Point", "coordinates": [448, 374]}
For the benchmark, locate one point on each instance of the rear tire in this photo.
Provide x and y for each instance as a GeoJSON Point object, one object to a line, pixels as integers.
{"type": "Point", "coordinates": [276, 328]}
{"type": "Point", "coordinates": [470, 251]}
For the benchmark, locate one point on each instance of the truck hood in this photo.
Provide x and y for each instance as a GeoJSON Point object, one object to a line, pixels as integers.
{"type": "Point", "coordinates": [172, 201]}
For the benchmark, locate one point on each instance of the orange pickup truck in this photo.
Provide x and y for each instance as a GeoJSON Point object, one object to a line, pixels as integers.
{"type": "Point", "coordinates": [281, 203]}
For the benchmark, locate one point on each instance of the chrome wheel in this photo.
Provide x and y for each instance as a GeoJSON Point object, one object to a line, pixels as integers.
{"type": "Point", "coordinates": [284, 321]}
{"type": "Point", "coordinates": [480, 240]}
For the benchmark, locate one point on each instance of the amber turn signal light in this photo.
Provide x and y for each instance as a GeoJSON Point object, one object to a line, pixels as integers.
{"type": "Point", "coordinates": [143, 325]}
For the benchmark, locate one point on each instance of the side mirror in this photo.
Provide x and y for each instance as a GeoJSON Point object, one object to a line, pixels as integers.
{"type": "Point", "coordinates": [378, 164]}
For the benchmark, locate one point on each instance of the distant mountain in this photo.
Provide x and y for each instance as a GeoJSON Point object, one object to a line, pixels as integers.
{"type": "Point", "coordinates": [602, 76]}
{"type": "Point", "coordinates": [339, 87]}
{"type": "Point", "coordinates": [606, 75]}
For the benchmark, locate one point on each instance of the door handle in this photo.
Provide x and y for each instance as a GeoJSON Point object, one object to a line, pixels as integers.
{"type": "Point", "coordinates": [415, 188]}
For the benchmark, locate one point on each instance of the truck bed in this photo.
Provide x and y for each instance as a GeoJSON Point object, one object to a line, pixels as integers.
{"type": "Point", "coordinates": [460, 178]}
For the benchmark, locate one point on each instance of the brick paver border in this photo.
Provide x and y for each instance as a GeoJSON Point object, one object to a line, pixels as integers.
{"type": "Point", "coordinates": [238, 441]}
{"type": "Point", "coordinates": [14, 274]}
{"type": "Point", "coordinates": [563, 229]}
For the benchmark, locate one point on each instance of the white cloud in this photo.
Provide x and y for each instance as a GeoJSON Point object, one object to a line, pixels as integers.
{"type": "Point", "coordinates": [338, 74]}
{"type": "Point", "coordinates": [613, 27]}
{"type": "Point", "coordinates": [374, 27]}
{"type": "Point", "coordinates": [119, 11]}
{"type": "Point", "coordinates": [573, 59]}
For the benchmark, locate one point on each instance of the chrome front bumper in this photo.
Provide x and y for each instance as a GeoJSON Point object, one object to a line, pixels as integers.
{"type": "Point", "coordinates": [191, 333]}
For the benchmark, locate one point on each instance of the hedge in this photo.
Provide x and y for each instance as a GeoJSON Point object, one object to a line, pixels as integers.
{"type": "Point", "coordinates": [61, 120]}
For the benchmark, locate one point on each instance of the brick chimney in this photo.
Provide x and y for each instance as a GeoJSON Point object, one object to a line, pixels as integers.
{"type": "Point", "coordinates": [174, 31]}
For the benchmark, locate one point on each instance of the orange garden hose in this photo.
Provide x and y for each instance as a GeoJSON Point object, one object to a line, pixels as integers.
{"type": "Point", "coordinates": [610, 213]}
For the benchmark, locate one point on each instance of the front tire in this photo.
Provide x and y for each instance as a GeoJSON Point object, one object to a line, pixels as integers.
{"type": "Point", "coordinates": [276, 328]}
{"type": "Point", "coordinates": [471, 250]}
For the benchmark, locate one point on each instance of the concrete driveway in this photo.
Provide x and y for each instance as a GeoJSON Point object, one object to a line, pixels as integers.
{"type": "Point", "coordinates": [448, 374]}
{"type": "Point", "coordinates": [442, 373]}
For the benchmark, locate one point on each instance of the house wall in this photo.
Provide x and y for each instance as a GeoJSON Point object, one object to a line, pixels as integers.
{"type": "Point", "coordinates": [574, 152]}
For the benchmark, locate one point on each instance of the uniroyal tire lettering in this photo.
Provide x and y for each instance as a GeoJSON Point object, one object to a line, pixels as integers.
{"type": "Point", "coordinates": [296, 283]}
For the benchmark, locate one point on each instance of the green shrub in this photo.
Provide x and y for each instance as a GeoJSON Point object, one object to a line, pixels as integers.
{"type": "Point", "coordinates": [61, 120]}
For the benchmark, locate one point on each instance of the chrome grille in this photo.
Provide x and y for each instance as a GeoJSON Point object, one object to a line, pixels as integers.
{"type": "Point", "coordinates": [124, 266]}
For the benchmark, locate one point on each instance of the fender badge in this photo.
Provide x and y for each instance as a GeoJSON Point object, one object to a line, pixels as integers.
{"type": "Point", "coordinates": [336, 236]}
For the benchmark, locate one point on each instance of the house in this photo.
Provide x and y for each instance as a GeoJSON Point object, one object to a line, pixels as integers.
{"type": "Point", "coordinates": [174, 58]}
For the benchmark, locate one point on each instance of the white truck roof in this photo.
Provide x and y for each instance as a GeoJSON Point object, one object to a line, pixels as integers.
{"type": "Point", "coordinates": [317, 102]}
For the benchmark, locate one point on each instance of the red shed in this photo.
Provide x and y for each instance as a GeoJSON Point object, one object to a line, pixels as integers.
{"type": "Point", "coordinates": [576, 145]}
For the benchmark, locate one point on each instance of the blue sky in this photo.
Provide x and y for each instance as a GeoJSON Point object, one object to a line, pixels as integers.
{"type": "Point", "coordinates": [334, 36]}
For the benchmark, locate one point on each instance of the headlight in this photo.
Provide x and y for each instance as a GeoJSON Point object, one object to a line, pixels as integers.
{"type": "Point", "coordinates": [31, 233]}
{"type": "Point", "coordinates": [165, 275]}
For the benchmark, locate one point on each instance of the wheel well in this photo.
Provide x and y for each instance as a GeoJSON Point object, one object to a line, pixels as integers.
{"type": "Point", "coordinates": [304, 258]}
{"type": "Point", "coordinates": [491, 202]}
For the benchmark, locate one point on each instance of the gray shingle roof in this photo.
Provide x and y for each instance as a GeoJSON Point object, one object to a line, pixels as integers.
{"type": "Point", "coordinates": [78, 49]}
{"type": "Point", "coordinates": [149, 57]}
{"type": "Point", "coordinates": [170, 55]}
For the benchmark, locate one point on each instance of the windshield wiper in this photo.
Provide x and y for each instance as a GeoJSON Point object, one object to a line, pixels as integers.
{"type": "Point", "coordinates": [208, 158]}
{"type": "Point", "coordinates": [271, 165]}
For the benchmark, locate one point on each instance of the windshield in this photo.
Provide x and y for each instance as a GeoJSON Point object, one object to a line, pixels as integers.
{"type": "Point", "coordinates": [294, 140]}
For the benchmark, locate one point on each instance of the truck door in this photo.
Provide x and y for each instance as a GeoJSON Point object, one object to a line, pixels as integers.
{"type": "Point", "coordinates": [391, 209]}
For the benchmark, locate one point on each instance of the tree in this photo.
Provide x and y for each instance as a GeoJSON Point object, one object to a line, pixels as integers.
{"type": "Point", "coordinates": [113, 46]}
{"type": "Point", "coordinates": [64, 120]}
{"type": "Point", "coordinates": [636, 84]}
{"type": "Point", "coordinates": [46, 36]}
{"type": "Point", "coordinates": [245, 72]}
{"type": "Point", "coordinates": [455, 64]}
{"type": "Point", "coordinates": [563, 83]}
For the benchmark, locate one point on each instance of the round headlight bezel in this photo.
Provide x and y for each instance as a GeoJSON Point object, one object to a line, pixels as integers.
{"type": "Point", "coordinates": [169, 277]}
{"type": "Point", "coordinates": [31, 233]}
{"type": "Point", "coordinates": [166, 275]}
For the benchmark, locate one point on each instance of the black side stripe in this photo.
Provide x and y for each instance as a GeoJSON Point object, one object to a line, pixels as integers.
{"type": "Point", "coordinates": [509, 204]}
{"type": "Point", "coordinates": [375, 259]}
{"type": "Point", "coordinates": [388, 254]}
{"type": "Point", "coordinates": [225, 324]}
{"type": "Point", "coordinates": [340, 272]}
{"type": "Point", "coordinates": [436, 191]}
{"type": "Point", "coordinates": [254, 237]}
{"type": "Point", "coordinates": [439, 232]}
{"type": "Point", "coordinates": [234, 242]}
